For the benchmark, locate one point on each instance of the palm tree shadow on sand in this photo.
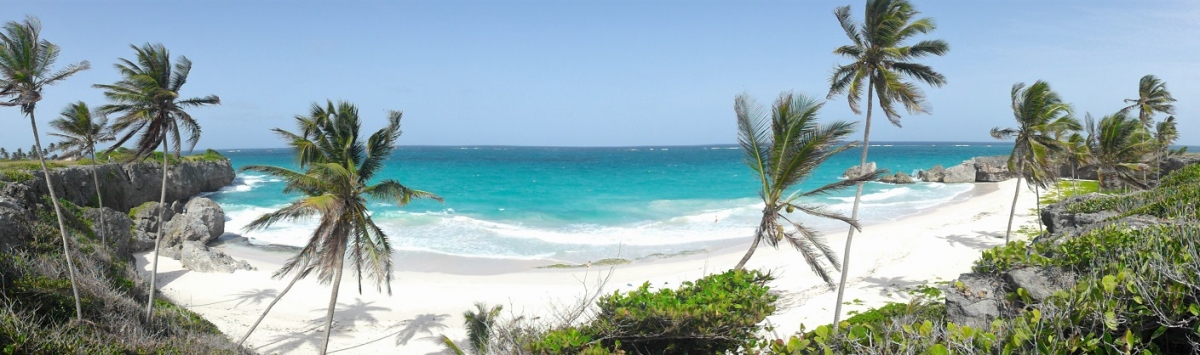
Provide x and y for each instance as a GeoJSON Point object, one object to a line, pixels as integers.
{"type": "Point", "coordinates": [423, 323]}
{"type": "Point", "coordinates": [348, 316]}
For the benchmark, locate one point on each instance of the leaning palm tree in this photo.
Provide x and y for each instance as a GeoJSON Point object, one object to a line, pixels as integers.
{"type": "Point", "coordinates": [335, 185]}
{"type": "Point", "coordinates": [784, 148]}
{"type": "Point", "coordinates": [1121, 142]}
{"type": "Point", "coordinates": [882, 58]}
{"type": "Point", "coordinates": [479, 323]}
{"type": "Point", "coordinates": [26, 63]}
{"type": "Point", "coordinates": [1039, 112]}
{"type": "Point", "coordinates": [80, 130]}
{"type": "Point", "coordinates": [147, 98]}
{"type": "Point", "coordinates": [1165, 134]}
{"type": "Point", "coordinates": [1153, 97]}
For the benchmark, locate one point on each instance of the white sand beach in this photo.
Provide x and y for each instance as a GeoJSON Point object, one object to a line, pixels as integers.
{"type": "Point", "coordinates": [936, 245]}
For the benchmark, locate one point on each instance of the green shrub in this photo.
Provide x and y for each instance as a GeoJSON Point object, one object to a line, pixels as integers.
{"type": "Point", "coordinates": [713, 315]}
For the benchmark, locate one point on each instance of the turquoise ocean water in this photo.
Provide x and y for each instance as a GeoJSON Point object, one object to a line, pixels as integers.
{"type": "Point", "coordinates": [579, 204]}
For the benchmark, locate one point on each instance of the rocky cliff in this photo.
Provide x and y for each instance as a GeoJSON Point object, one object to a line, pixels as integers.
{"type": "Point", "coordinates": [125, 186]}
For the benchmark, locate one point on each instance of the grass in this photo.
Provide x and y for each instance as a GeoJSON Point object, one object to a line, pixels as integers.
{"type": "Point", "coordinates": [1070, 188]}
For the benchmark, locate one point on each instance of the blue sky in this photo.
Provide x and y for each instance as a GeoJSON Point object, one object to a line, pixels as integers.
{"type": "Point", "coordinates": [611, 73]}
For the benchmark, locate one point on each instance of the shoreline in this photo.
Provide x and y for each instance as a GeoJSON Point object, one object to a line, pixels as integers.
{"type": "Point", "coordinates": [435, 262]}
{"type": "Point", "coordinates": [936, 244]}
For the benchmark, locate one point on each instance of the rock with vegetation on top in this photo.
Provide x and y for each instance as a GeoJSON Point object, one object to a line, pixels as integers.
{"type": "Point", "coordinates": [859, 170]}
{"type": "Point", "coordinates": [1039, 282]}
{"type": "Point", "coordinates": [992, 169]}
{"type": "Point", "coordinates": [145, 224]}
{"type": "Point", "coordinates": [197, 257]}
{"type": "Point", "coordinates": [125, 186]}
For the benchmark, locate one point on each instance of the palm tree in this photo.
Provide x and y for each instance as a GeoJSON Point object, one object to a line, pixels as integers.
{"type": "Point", "coordinates": [1121, 142]}
{"type": "Point", "coordinates": [1153, 97]}
{"type": "Point", "coordinates": [881, 57]}
{"type": "Point", "coordinates": [147, 97]}
{"type": "Point", "coordinates": [80, 130]}
{"type": "Point", "coordinates": [479, 325]}
{"type": "Point", "coordinates": [1039, 112]}
{"type": "Point", "coordinates": [25, 69]}
{"type": "Point", "coordinates": [783, 149]}
{"type": "Point", "coordinates": [1165, 134]}
{"type": "Point", "coordinates": [335, 186]}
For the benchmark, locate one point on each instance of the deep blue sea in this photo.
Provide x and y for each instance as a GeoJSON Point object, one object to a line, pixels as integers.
{"type": "Point", "coordinates": [579, 204]}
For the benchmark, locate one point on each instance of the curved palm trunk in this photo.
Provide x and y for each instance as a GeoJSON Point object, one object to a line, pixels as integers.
{"type": "Point", "coordinates": [758, 235]}
{"type": "Point", "coordinates": [99, 198]}
{"type": "Point", "coordinates": [268, 310]}
{"type": "Point", "coordinates": [162, 205]}
{"type": "Point", "coordinates": [1013, 211]}
{"type": "Point", "coordinates": [337, 282]}
{"type": "Point", "coordinates": [837, 308]}
{"type": "Point", "coordinates": [1037, 195]}
{"type": "Point", "coordinates": [62, 228]}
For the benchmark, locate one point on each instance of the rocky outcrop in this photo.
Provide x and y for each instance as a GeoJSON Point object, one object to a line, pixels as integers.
{"type": "Point", "coordinates": [934, 174]}
{"type": "Point", "coordinates": [1178, 162]}
{"type": "Point", "coordinates": [899, 178]}
{"type": "Point", "coordinates": [14, 219]}
{"type": "Point", "coordinates": [1038, 282]}
{"type": "Point", "coordinates": [125, 186]}
{"type": "Point", "coordinates": [116, 230]}
{"type": "Point", "coordinates": [975, 300]}
{"type": "Point", "coordinates": [859, 170]}
{"type": "Point", "coordinates": [209, 213]}
{"type": "Point", "coordinates": [197, 257]}
{"type": "Point", "coordinates": [992, 169]}
{"type": "Point", "coordinates": [202, 221]}
{"type": "Point", "coordinates": [960, 173]}
{"type": "Point", "coordinates": [145, 225]}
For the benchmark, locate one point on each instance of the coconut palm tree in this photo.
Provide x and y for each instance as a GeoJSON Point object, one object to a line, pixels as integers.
{"type": "Point", "coordinates": [26, 63]}
{"type": "Point", "coordinates": [335, 185]}
{"type": "Point", "coordinates": [80, 130]}
{"type": "Point", "coordinates": [147, 98]}
{"type": "Point", "coordinates": [1121, 142]}
{"type": "Point", "coordinates": [479, 323]}
{"type": "Point", "coordinates": [882, 57]}
{"type": "Point", "coordinates": [1165, 134]}
{"type": "Point", "coordinates": [1039, 112]}
{"type": "Point", "coordinates": [784, 148]}
{"type": "Point", "coordinates": [1153, 97]}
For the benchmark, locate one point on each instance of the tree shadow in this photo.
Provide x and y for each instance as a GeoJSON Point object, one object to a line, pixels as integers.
{"type": "Point", "coordinates": [359, 311]}
{"type": "Point", "coordinates": [889, 285]}
{"type": "Point", "coordinates": [290, 342]}
{"type": "Point", "coordinates": [966, 241]}
{"type": "Point", "coordinates": [345, 315]}
{"type": "Point", "coordinates": [990, 234]}
{"type": "Point", "coordinates": [165, 278]}
{"type": "Point", "coordinates": [424, 323]}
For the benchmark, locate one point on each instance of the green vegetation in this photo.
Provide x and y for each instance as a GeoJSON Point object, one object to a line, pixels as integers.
{"type": "Point", "coordinates": [1067, 189]}
{"type": "Point", "coordinates": [37, 303]}
{"type": "Point", "coordinates": [715, 314]}
{"type": "Point", "coordinates": [601, 262]}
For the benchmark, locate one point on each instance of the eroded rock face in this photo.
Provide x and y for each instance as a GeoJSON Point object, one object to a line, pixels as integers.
{"type": "Point", "coordinates": [859, 170]}
{"type": "Point", "coordinates": [934, 174]}
{"type": "Point", "coordinates": [1040, 283]}
{"type": "Point", "coordinates": [902, 178]}
{"type": "Point", "coordinates": [124, 187]}
{"type": "Point", "coordinates": [209, 213]}
{"type": "Point", "coordinates": [185, 228]}
{"type": "Point", "coordinates": [13, 221]}
{"type": "Point", "coordinates": [197, 257]}
{"type": "Point", "coordinates": [975, 300]}
{"type": "Point", "coordinates": [992, 169]}
{"type": "Point", "coordinates": [960, 173]}
{"type": "Point", "coordinates": [115, 229]}
{"type": "Point", "coordinates": [145, 225]}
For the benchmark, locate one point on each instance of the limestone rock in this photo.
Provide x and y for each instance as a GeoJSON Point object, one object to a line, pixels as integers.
{"type": "Point", "coordinates": [890, 179]}
{"type": "Point", "coordinates": [145, 225]}
{"type": "Point", "coordinates": [115, 231]}
{"type": "Point", "coordinates": [13, 221]}
{"type": "Point", "coordinates": [199, 258]}
{"type": "Point", "coordinates": [125, 186]}
{"type": "Point", "coordinates": [978, 301]}
{"type": "Point", "coordinates": [902, 178]}
{"type": "Point", "coordinates": [184, 228]}
{"type": "Point", "coordinates": [934, 174]}
{"type": "Point", "coordinates": [992, 169]}
{"type": "Point", "coordinates": [210, 214]}
{"type": "Point", "coordinates": [960, 173]}
{"type": "Point", "coordinates": [1040, 283]}
{"type": "Point", "coordinates": [859, 170]}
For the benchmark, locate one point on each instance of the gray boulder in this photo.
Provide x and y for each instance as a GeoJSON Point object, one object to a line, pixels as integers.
{"type": "Point", "coordinates": [209, 213]}
{"type": "Point", "coordinates": [902, 178]}
{"type": "Point", "coordinates": [992, 169]}
{"type": "Point", "coordinates": [145, 225]}
{"type": "Point", "coordinates": [197, 257]}
{"type": "Point", "coordinates": [975, 300]}
{"type": "Point", "coordinates": [960, 173]}
{"type": "Point", "coordinates": [1040, 283]}
{"type": "Point", "coordinates": [891, 179]}
{"type": "Point", "coordinates": [115, 231]}
{"type": "Point", "coordinates": [183, 228]}
{"type": "Point", "coordinates": [859, 170]}
{"type": "Point", "coordinates": [934, 174]}
{"type": "Point", "coordinates": [13, 221]}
